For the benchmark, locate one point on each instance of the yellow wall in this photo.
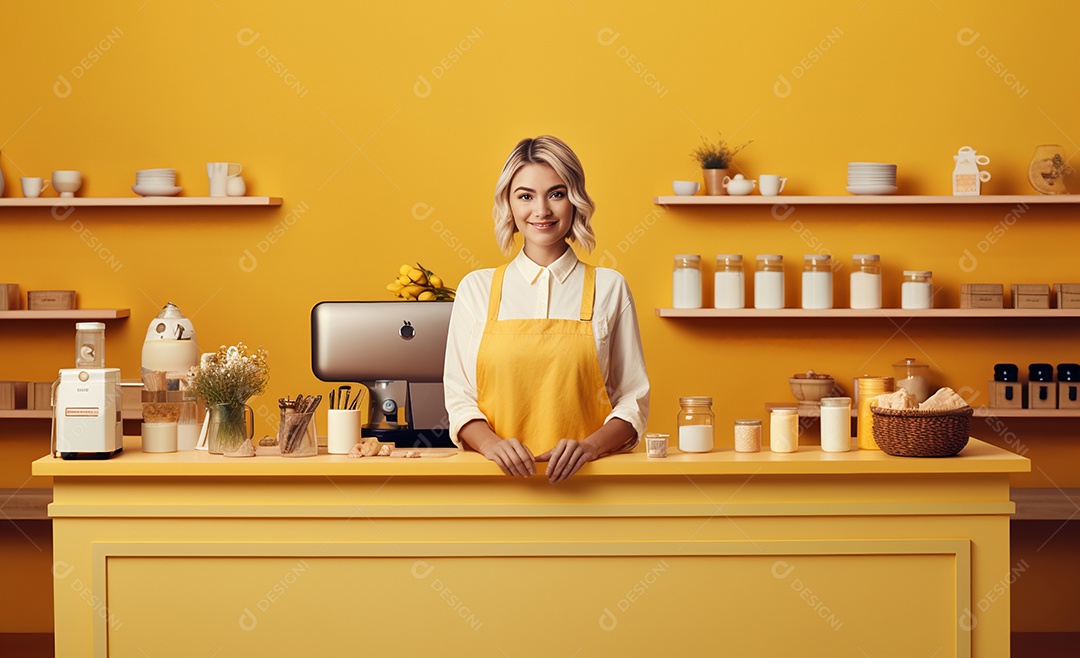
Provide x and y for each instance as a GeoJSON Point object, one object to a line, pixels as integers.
{"type": "Point", "coordinates": [384, 125]}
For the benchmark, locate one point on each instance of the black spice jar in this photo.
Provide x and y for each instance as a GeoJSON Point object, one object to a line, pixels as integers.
{"type": "Point", "coordinates": [1042, 392]}
{"type": "Point", "coordinates": [1068, 372]}
{"type": "Point", "coordinates": [1006, 372]}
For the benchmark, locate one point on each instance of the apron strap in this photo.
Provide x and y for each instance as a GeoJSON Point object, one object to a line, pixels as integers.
{"type": "Point", "coordinates": [496, 293]}
{"type": "Point", "coordinates": [588, 292]}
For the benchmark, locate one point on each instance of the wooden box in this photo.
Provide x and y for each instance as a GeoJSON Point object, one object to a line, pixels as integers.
{"type": "Point", "coordinates": [21, 395]}
{"type": "Point", "coordinates": [39, 395]}
{"type": "Point", "coordinates": [50, 300]}
{"type": "Point", "coordinates": [1006, 395]}
{"type": "Point", "coordinates": [982, 295]}
{"type": "Point", "coordinates": [7, 395]}
{"type": "Point", "coordinates": [1067, 295]}
{"type": "Point", "coordinates": [1042, 395]}
{"type": "Point", "coordinates": [1068, 395]}
{"type": "Point", "coordinates": [9, 297]}
{"type": "Point", "coordinates": [1030, 295]}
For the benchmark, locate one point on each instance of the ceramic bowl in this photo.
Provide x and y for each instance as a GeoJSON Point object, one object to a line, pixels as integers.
{"type": "Point", "coordinates": [808, 389]}
{"type": "Point", "coordinates": [685, 187]}
{"type": "Point", "coordinates": [66, 182]}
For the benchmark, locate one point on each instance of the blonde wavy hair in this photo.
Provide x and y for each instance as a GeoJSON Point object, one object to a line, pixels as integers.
{"type": "Point", "coordinates": [553, 152]}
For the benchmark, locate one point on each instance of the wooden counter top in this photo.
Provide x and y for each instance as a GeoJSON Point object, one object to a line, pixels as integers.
{"type": "Point", "coordinates": [977, 457]}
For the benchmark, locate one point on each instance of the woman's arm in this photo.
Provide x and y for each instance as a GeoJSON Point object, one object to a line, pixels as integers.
{"type": "Point", "coordinates": [510, 454]}
{"type": "Point", "coordinates": [568, 456]}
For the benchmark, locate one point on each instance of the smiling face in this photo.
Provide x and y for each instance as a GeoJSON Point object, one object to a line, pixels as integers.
{"type": "Point", "coordinates": [542, 212]}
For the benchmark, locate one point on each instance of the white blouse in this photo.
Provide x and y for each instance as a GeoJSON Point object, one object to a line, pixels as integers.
{"type": "Point", "coordinates": [531, 291]}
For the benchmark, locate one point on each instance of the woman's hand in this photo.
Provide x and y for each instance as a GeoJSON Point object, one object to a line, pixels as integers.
{"type": "Point", "coordinates": [566, 458]}
{"type": "Point", "coordinates": [512, 457]}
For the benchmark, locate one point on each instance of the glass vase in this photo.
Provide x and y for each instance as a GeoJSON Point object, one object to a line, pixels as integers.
{"type": "Point", "coordinates": [230, 425]}
{"type": "Point", "coordinates": [1048, 172]}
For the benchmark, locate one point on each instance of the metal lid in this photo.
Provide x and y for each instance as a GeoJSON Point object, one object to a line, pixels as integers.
{"type": "Point", "coordinates": [770, 257]}
{"type": "Point", "coordinates": [687, 257]}
{"type": "Point", "coordinates": [821, 257]}
{"type": "Point", "coordinates": [728, 256]}
{"type": "Point", "coordinates": [835, 402]}
{"type": "Point", "coordinates": [866, 257]}
{"type": "Point", "coordinates": [695, 400]}
{"type": "Point", "coordinates": [918, 273]}
{"type": "Point", "coordinates": [748, 421]}
{"type": "Point", "coordinates": [89, 326]}
{"type": "Point", "coordinates": [785, 411]}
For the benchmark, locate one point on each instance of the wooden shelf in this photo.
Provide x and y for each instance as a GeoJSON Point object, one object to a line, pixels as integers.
{"type": "Point", "coordinates": [149, 201]}
{"type": "Point", "coordinates": [1046, 504]}
{"type": "Point", "coordinates": [25, 504]}
{"type": "Point", "coordinates": [45, 414]}
{"type": "Point", "coordinates": [869, 313]}
{"type": "Point", "coordinates": [814, 411]}
{"type": "Point", "coordinates": [74, 314]}
{"type": "Point", "coordinates": [1031, 504]}
{"type": "Point", "coordinates": [866, 200]}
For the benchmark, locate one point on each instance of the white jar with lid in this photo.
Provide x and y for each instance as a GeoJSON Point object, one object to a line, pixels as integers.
{"type": "Point", "coordinates": [769, 281]}
{"type": "Point", "coordinates": [784, 430]}
{"type": "Point", "coordinates": [917, 291]}
{"type": "Point", "coordinates": [729, 286]}
{"type": "Point", "coordinates": [866, 281]}
{"type": "Point", "coordinates": [686, 281]}
{"type": "Point", "coordinates": [817, 281]}
{"type": "Point", "coordinates": [836, 424]}
{"type": "Point", "coordinates": [696, 421]}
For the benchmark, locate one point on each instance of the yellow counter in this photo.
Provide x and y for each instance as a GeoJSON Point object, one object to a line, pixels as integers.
{"type": "Point", "coordinates": [716, 554]}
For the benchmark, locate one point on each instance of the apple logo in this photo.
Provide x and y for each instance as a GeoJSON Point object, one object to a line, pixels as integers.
{"type": "Point", "coordinates": [407, 332]}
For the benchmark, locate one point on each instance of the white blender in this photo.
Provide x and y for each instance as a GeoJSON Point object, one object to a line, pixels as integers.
{"type": "Point", "coordinates": [86, 401]}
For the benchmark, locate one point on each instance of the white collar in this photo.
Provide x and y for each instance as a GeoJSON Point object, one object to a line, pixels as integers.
{"type": "Point", "coordinates": [560, 269]}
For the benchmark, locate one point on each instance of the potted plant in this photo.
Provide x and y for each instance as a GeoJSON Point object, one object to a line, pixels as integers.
{"type": "Point", "coordinates": [715, 159]}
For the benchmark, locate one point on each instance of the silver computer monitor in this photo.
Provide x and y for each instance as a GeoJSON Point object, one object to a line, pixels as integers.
{"type": "Point", "coordinates": [402, 341]}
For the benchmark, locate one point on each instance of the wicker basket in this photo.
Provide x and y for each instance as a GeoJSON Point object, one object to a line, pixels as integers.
{"type": "Point", "coordinates": [913, 433]}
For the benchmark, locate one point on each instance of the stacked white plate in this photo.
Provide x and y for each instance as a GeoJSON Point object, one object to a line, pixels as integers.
{"type": "Point", "coordinates": [155, 182]}
{"type": "Point", "coordinates": [871, 178]}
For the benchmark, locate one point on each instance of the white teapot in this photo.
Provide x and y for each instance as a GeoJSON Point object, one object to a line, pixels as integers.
{"type": "Point", "coordinates": [739, 186]}
{"type": "Point", "coordinates": [967, 179]}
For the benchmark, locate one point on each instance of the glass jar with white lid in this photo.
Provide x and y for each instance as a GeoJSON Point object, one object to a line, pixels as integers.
{"type": "Point", "coordinates": [817, 280]}
{"type": "Point", "coordinates": [917, 290]}
{"type": "Point", "coordinates": [769, 281]}
{"type": "Point", "coordinates": [729, 286]}
{"type": "Point", "coordinates": [866, 281]}
{"type": "Point", "coordinates": [686, 281]}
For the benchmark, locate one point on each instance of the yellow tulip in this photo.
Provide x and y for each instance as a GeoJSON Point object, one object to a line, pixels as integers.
{"type": "Point", "coordinates": [427, 295]}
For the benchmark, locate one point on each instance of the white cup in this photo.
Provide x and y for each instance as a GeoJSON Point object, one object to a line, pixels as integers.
{"type": "Point", "coordinates": [770, 184]}
{"type": "Point", "coordinates": [159, 437]}
{"type": "Point", "coordinates": [342, 430]}
{"type": "Point", "coordinates": [66, 181]}
{"type": "Point", "coordinates": [234, 186]}
{"type": "Point", "coordinates": [219, 173]}
{"type": "Point", "coordinates": [32, 187]}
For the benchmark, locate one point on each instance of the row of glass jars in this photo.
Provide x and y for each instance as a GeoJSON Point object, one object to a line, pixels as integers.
{"type": "Point", "coordinates": [696, 422]}
{"type": "Point", "coordinates": [817, 283]}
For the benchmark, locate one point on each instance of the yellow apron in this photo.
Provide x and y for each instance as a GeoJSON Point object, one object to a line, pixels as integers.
{"type": "Point", "coordinates": [539, 380]}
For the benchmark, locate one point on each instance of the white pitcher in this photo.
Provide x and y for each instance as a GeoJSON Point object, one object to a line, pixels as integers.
{"type": "Point", "coordinates": [967, 179]}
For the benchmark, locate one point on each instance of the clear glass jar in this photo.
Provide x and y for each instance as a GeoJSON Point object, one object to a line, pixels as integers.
{"type": "Point", "coordinates": [696, 421]}
{"type": "Point", "coordinates": [836, 424]}
{"type": "Point", "coordinates": [917, 291]}
{"type": "Point", "coordinates": [912, 376]}
{"type": "Point", "coordinates": [686, 281]}
{"type": "Point", "coordinates": [748, 435]}
{"type": "Point", "coordinates": [769, 281]}
{"type": "Point", "coordinates": [817, 281]}
{"type": "Point", "coordinates": [866, 281]}
{"type": "Point", "coordinates": [784, 430]}
{"type": "Point", "coordinates": [89, 344]}
{"type": "Point", "coordinates": [729, 286]}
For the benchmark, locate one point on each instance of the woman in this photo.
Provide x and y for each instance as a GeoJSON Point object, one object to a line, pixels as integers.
{"type": "Point", "coordinates": [544, 359]}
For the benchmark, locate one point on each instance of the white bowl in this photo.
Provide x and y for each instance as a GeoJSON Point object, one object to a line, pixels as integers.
{"type": "Point", "coordinates": [156, 190]}
{"type": "Point", "coordinates": [685, 187]}
{"type": "Point", "coordinates": [66, 182]}
{"type": "Point", "coordinates": [871, 189]}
